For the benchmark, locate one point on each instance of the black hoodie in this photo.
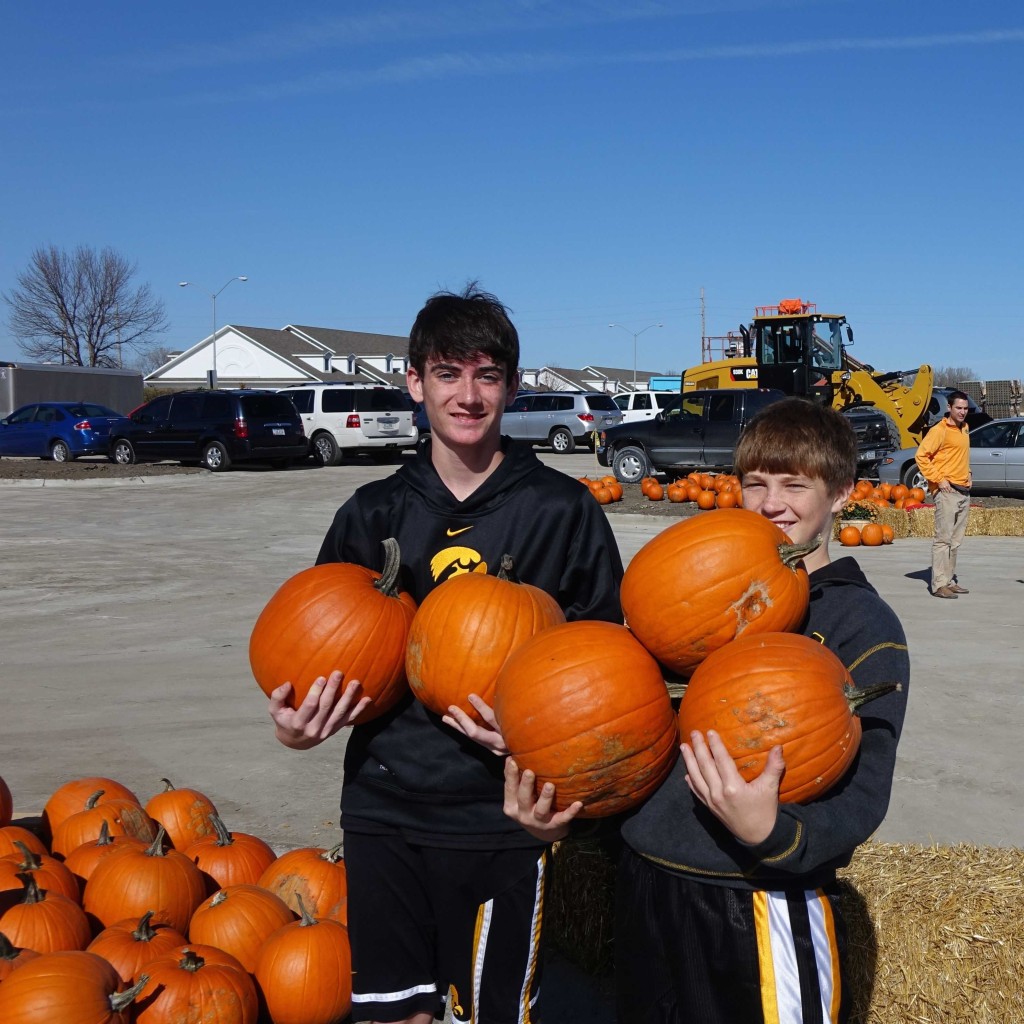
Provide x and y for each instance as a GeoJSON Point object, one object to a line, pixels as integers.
{"type": "Point", "coordinates": [407, 771]}
{"type": "Point", "coordinates": [809, 841]}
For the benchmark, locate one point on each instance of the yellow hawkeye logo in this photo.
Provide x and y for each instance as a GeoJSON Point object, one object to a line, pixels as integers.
{"type": "Point", "coordinates": [454, 533]}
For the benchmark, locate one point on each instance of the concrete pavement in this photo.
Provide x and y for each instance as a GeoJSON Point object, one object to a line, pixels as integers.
{"type": "Point", "coordinates": [126, 612]}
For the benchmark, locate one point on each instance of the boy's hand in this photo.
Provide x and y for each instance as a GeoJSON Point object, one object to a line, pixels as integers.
{"type": "Point", "coordinates": [321, 714]}
{"type": "Point", "coordinates": [488, 735]}
{"type": "Point", "coordinates": [535, 813]}
{"type": "Point", "coordinates": [747, 809]}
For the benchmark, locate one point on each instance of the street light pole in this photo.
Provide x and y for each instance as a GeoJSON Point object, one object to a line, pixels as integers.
{"type": "Point", "coordinates": [636, 334]}
{"type": "Point", "coordinates": [213, 297]}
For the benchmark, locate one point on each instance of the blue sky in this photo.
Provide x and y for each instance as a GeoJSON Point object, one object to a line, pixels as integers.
{"type": "Point", "coordinates": [589, 161]}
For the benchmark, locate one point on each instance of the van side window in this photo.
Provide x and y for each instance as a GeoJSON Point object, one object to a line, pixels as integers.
{"type": "Point", "coordinates": [543, 403]}
{"type": "Point", "coordinates": [186, 408]}
{"type": "Point", "coordinates": [338, 400]}
{"type": "Point", "coordinates": [641, 401]}
{"type": "Point", "coordinates": [562, 403]}
{"type": "Point", "coordinates": [302, 399]}
{"type": "Point", "coordinates": [217, 408]}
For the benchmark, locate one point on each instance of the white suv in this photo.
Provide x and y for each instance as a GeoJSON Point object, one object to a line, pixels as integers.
{"type": "Point", "coordinates": [642, 405]}
{"type": "Point", "coordinates": [349, 419]}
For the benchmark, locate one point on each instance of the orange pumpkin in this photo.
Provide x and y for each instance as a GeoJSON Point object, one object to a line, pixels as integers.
{"type": "Point", "coordinates": [130, 944]}
{"type": "Point", "coordinates": [70, 798]}
{"type": "Point", "coordinates": [706, 499]}
{"type": "Point", "coordinates": [708, 579]}
{"type": "Point", "coordinates": [603, 495]}
{"type": "Point", "coordinates": [464, 631]}
{"type": "Point", "coordinates": [849, 536]}
{"type": "Point", "coordinates": [888, 534]}
{"type": "Point", "coordinates": [899, 491]}
{"type": "Point", "coordinates": [49, 873]}
{"type": "Point", "coordinates": [582, 705]}
{"type": "Point", "coordinates": [692, 490]}
{"type": "Point", "coordinates": [238, 920]}
{"type": "Point", "coordinates": [780, 689]}
{"type": "Point", "coordinates": [13, 957]}
{"type": "Point", "coordinates": [187, 985]}
{"type": "Point", "coordinates": [916, 494]}
{"type": "Point", "coordinates": [871, 535]}
{"type": "Point", "coordinates": [41, 920]}
{"type": "Point", "coordinates": [131, 881]}
{"type": "Point", "coordinates": [655, 492]}
{"type": "Point", "coordinates": [6, 804]}
{"type": "Point", "coordinates": [676, 493]}
{"type": "Point", "coordinates": [313, 876]}
{"type": "Point", "coordinates": [230, 858]}
{"type": "Point", "coordinates": [727, 499]}
{"type": "Point", "coordinates": [73, 987]}
{"type": "Point", "coordinates": [122, 818]}
{"type": "Point", "coordinates": [616, 490]}
{"type": "Point", "coordinates": [11, 834]}
{"type": "Point", "coordinates": [336, 616]}
{"type": "Point", "coordinates": [291, 956]}
{"type": "Point", "coordinates": [82, 861]}
{"type": "Point", "coordinates": [184, 814]}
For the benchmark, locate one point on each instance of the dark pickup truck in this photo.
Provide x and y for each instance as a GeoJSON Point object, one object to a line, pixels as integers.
{"type": "Point", "coordinates": [699, 430]}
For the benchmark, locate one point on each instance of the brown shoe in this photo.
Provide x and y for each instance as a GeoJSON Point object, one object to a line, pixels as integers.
{"type": "Point", "coordinates": [957, 589]}
{"type": "Point", "coordinates": [944, 592]}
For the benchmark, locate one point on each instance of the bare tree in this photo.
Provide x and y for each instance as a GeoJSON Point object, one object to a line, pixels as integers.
{"type": "Point", "coordinates": [950, 376]}
{"type": "Point", "coordinates": [82, 308]}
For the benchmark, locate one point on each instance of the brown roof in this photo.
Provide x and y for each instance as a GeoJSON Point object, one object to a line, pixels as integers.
{"type": "Point", "coordinates": [354, 342]}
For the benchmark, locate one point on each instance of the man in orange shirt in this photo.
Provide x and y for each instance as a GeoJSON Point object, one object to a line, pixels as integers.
{"type": "Point", "coordinates": [944, 459]}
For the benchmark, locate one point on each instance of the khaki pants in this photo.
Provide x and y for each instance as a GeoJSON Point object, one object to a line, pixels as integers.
{"type": "Point", "coordinates": [951, 509]}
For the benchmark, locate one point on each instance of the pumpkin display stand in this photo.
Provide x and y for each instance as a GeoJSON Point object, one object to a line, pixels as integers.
{"type": "Point", "coordinates": [935, 932]}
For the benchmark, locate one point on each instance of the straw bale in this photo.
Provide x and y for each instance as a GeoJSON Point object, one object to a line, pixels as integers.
{"type": "Point", "coordinates": [936, 933]}
{"type": "Point", "coordinates": [1003, 522]}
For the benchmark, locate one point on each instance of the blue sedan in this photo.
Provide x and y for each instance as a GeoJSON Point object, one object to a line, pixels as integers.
{"type": "Point", "coordinates": [57, 430]}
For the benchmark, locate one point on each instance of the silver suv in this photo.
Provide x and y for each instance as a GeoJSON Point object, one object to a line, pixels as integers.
{"type": "Point", "coordinates": [353, 419]}
{"type": "Point", "coordinates": [560, 419]}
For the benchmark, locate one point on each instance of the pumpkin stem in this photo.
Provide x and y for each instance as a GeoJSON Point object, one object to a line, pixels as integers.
{"type": "Point", "coordinates": [792, 553]}
{"type": "Point", "coordinates": [144, 931]}
{"type": "Point", "coordinates": [218, 898]}
{"type": "Point", "coordinates": [33, 894]}
{"type": "Point", "coordinates": [306, 918]}
{"type": "Point", "coordinates": [94, 799]}
{"type": "Point", "coordinates": [191, 961]}
{"type": "Point", "coordinates": [223, 835]}
{"type": "Point", "coordinates": [167, 785]}
{"type": "Point", "coordinates": [388, 582]}
{"type": "Point", "coordinates": [8, 951]}
{"type": "Point", "coordinates": [156, 848]}
{"type": "Point", "coordinates": [858, 697]}
{"type": "Point", "coordinates": [121, 1000]}
{"type": "Point", "coordinates": [104, 838]}
{"type": "Point", "coordinates": [31, 861]}
{"type": "Point", "coordinates": [506, 572]}
{"type": "Point", "coordinates": [333, 855]}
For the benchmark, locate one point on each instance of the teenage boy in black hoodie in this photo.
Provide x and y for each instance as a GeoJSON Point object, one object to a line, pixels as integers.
{"type": "Point", "coordinates": [445, 891]}
{"type": "Point", "coordinates": [726, 902]}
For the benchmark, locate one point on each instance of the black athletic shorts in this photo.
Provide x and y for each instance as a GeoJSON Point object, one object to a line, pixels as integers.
{"type": "Point", "coordinates": [427, 922]}
{"type": "Point", "coordinates": [688, 952]}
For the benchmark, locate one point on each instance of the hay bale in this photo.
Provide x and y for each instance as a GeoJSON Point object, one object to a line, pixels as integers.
{"type": "Point", "coordinates": [1003, 522]}
{"type": "Point", "coordinates": [935, 932]}
{"type": "Point", "coordinates": [921, 522]}
{"type": "Point", "coordinates": [897, 519]}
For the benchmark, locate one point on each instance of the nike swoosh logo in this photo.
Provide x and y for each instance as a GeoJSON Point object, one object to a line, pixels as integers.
{"type": "Point", "coordinates": [454, 533]}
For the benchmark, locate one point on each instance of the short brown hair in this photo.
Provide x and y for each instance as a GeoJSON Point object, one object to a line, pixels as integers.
{"type": "Point", "coordinates": [795, 435]}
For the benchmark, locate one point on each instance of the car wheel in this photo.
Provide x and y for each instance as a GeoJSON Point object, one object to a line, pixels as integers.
{"type": "Point", "coordinates": [630, 465]}
{"type": "Point", "coordinates": [913, 477]}
{"type": "Point", "coordinates": [60, 452]}
{"type": "Point", "coordinates": [215, 457]}
{"type": "Point", "coordinates": [326, 450]}
{"type": "Point", "coordinates": [123, 453]}
{"type": "Point", "coordinates": [561, 441]}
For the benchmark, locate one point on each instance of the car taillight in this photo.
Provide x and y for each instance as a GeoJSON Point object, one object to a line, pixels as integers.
{"type": "Point", "coordinates": [241, 430]}
{"type": "Point", "coordinates": [352, 423]}
{"type": "Point", "coordinates": [82, 425]}
{"type": "Point", "coordinates": [587, 417]}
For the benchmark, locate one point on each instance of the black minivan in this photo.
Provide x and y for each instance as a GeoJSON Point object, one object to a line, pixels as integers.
{"type": "Point", "coordinates": [212, 429]}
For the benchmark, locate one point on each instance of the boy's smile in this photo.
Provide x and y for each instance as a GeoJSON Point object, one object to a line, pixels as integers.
{"type": "Point", "coordinates": [801, 506]}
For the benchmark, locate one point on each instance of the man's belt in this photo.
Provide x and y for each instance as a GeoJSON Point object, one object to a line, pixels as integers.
{"type": "Point", "coordinates": [959, 489]}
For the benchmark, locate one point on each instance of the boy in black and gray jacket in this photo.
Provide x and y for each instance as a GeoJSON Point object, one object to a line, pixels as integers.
{"type": "Point", "coordinates": [726, 899]}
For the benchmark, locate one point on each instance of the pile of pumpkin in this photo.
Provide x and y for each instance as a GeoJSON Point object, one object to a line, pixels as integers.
{"type": "Point", "coordinates": [707, 490]}
{"type": "Point", "coordinates": [605, 489]}
{"type": "Point", "coordinates": [159, 915]}
{"type": "Point", "coordinates": [866, 496]}
{"type": "Point", "coordinates": [584, 704]}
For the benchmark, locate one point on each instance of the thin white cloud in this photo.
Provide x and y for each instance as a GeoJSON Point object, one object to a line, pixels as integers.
{"type": "Point", "coordinates": [478, 65]}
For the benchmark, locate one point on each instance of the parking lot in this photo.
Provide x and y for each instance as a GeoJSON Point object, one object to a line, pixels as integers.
{"type": "Point", "coordinates": [127, 608]}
